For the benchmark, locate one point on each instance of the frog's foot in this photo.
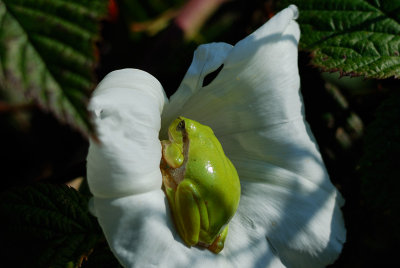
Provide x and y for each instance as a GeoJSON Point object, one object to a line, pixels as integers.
{"type": "Point", "coordinates": [219, 242]}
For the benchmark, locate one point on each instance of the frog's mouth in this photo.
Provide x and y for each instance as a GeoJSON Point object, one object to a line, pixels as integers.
{"type": "Point", "coordinates": [171, 175]}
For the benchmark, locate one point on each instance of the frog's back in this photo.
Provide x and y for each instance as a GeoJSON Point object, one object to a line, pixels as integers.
{"type": "Point", "coordinates": [217, 178]}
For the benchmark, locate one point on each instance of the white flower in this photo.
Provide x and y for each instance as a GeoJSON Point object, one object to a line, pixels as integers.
{"type": "Point", "coordinates": [289, 212]}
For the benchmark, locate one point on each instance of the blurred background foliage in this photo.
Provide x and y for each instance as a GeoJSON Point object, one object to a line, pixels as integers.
{"type": "Point", "coordinates": [354, 119]}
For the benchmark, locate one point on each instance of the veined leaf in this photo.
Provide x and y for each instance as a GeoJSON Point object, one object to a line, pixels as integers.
{"type": "Point", "coordinates": [47, 225]}
{"type": "Point", "coordinates": [47, 54]}
{"type": "Point", "coordinates": [355, 37]}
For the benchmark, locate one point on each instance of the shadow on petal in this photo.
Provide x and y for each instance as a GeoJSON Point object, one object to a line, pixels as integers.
{"type": "Point", "coordinates": [302, 222]}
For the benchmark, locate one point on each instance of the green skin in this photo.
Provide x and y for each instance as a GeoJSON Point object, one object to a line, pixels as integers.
{"type": "Point", "coordinates": [201, 184]}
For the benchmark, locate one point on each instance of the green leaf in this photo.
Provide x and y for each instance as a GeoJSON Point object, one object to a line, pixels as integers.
{"type": "Point", "coordinates": [48, 55]}
{"type": "Point", "coordinates": [46, 225]}
{"type": "Point", "coordinates": [354, 37]}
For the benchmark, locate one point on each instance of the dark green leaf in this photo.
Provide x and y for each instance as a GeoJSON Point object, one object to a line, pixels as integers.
{"type": "Point", "coordinates": [47, 54]}
{"type": "Point", "coordinates": [354, 37]}
{"type": "Point", "coordinates": [46, 225]}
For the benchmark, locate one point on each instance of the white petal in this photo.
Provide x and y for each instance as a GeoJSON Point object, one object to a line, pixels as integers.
{"type": "Point", "coordinates": [144, 236]}
{"type": "Point", "coordinates": [295, 201]}
{"type": "Point", "coordinates": [255, 108]}
{"type": "Point", "coordinates": [131, 210]}
{"type": "Point", "coordinates": [262, 68]}
{"type": "Point", "coordinates": [288, 205]}
{"type": "Point", "coordinates": [206, 59]}
{"type": "Point", "coordinates": [126, 108]}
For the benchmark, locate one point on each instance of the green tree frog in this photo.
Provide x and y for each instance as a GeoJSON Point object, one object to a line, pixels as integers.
{"type": "Point", "coordinates": [201, 184]}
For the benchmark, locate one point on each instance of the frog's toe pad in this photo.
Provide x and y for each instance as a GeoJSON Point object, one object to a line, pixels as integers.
{"type": "Point", "coordinates": [217, 245]}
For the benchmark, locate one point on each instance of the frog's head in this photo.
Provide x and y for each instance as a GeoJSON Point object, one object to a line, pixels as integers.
{"type": "Point", "coordinates": [181, 131]}
{"type": "Point", "coordinates": [182, 126]}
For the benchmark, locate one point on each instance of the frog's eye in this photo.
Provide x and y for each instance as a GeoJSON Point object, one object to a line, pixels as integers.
{"type": "Point", "coordinates": [181, 125]}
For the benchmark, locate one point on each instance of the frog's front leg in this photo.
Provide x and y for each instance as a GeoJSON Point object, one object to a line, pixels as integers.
{"type": "Point", "coordinates": [190, 211]}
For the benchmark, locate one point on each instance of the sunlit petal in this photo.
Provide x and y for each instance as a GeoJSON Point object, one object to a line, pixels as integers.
{"type": "Point", "coordinates": [295, 201]}
{"type": "Point", "coordinates": [141, 234]}
{"type": "Point", "coordinates": [138, 225]}
{"type": "Point", "coordinates": [126, 109]}
{"type": "Point", "coordinates": [262, 68]}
